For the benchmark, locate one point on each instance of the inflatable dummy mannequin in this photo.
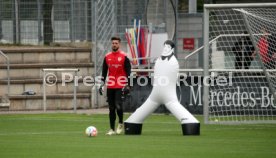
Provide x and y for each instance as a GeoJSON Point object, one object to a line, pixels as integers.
{"type": "Point", "coordinates": [163, 92]}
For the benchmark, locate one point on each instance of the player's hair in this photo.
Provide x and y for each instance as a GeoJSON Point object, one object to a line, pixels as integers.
{"type": "Point", "coordinates": [170, 42]}
{"type": "Point", "coordinates": [116, 38]}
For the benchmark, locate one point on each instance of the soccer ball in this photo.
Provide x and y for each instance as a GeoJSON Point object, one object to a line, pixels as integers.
{"type": "Point", "coordinates": [91, 131]}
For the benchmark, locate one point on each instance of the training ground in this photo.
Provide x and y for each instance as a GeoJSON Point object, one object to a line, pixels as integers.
{"type": "Point", "coordinates": [61, 135]}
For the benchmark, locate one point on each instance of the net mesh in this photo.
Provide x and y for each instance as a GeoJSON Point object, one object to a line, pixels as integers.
{"type": "Point", "coordinates": [242, 62]}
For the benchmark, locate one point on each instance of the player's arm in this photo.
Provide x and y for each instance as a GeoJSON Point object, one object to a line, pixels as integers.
{"type": "Point", "coordinates": [252, 49]}
{"type": "Point", "coordinates": [103, 78]}
{"type": "Point", "coordinates": [104, 71]}
{"type": "Point", "coordinates": [236, 48]}
{"type": "Point", "coordinates": [127, 66]}
{"type": "Point", "coordinates": [272, 46]}
{"type": "Point", "coordinates": [127, 69]}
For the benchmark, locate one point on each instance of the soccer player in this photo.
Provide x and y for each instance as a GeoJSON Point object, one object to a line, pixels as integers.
{"type": "Point", "coordinates": [263, 47]}
{"type": "Point", "coordinates": [244, 52]}
{"type": "Point", "coordinates": [118, 67]}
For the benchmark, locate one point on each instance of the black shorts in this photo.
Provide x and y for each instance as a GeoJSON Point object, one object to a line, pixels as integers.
{"type": "Point", "coordinates": [114, 98]}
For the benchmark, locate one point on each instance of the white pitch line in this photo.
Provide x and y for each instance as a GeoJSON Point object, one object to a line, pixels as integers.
{"type": "Point", "coordinates": [39, 133]}
{"type": "Point", "coordinates": [50, 119]}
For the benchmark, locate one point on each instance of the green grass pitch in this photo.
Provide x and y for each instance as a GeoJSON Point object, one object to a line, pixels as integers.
{"type": "Point", "coordinates": [62, 136]}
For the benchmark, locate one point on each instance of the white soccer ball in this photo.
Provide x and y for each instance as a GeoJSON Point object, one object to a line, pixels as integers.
{"type": "Point", "coordinates": [91, 131]}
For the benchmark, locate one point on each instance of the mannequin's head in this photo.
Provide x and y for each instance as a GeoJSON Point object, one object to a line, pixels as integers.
{"type": "Point", "coordinates": [168, 48]}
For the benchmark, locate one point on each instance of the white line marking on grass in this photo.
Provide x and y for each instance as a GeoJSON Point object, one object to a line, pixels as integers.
{"type": "Point", "coordinates": [82, 120]}
{"type": "Point", "coordinates": [51, 119]}
{"type": "Point", "coordinates": [39, 133]}
{"type": "Point", "coordinates": [234, 128]}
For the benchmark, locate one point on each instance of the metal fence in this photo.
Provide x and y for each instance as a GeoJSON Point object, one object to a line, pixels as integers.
{"type": "Point", "coordinates": [41, 22]}
{"type": "Point", "coordinates": [23, 20]}
{"type": "Point", "coordinates": [44, 21]}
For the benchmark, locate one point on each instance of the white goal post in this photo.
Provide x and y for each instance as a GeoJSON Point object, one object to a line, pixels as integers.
{"type": "Point", "coordinates": [244, 43]}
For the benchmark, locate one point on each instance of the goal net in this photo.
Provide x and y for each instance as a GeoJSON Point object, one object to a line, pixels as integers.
{"type": "Point", "coordinates": [240, 58]}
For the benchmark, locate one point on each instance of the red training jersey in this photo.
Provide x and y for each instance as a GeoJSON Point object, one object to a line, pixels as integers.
{"type": "Point", "coordinates": [263, 48]}
{"type": "Point", "coordinates": [118, 66]}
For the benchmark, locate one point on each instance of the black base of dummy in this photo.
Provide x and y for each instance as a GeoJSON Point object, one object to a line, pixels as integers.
{"type": "Point", "coordinates": [191, 129]}
{"type": "Point", "coordinates": [133, 128]}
